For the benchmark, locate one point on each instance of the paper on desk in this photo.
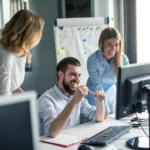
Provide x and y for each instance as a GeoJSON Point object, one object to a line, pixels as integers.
{"type": "Point", "coordinates": [64, 140]}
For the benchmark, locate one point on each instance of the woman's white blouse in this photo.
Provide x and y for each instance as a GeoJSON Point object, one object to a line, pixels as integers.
{"type": "Point", "coordinates": [12, 71]}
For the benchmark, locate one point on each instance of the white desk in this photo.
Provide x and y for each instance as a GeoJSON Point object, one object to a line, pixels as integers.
{"type": "Point", "coordinates": [89, 129]}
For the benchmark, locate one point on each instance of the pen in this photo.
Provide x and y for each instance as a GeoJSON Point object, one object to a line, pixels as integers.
{"type": "Point", "coordinates": [91, 92]}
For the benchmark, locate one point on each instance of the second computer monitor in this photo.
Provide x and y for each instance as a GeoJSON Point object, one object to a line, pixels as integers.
{"type": "Point", "coordinates": [18, 122]}
{"type": "Point", "coordinates": [130, 81]}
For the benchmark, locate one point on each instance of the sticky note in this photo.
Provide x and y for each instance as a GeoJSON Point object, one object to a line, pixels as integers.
{"type": "Point", "coordinates": [62, 51]}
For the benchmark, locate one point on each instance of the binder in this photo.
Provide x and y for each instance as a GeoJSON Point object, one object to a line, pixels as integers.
{"type": "Point", "coordinates": [63, 140]}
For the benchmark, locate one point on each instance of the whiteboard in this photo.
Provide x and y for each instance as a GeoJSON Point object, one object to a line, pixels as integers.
{"type": "Point", "coordinates": [77, 38]}
{"type": "Point", "coordinates": [80, 21]}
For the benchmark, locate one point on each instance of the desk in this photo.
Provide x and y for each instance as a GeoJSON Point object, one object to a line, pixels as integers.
{"type": "Point", "coordinates": [89, 129]}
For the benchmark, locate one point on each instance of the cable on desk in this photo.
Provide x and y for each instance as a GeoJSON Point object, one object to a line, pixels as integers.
{"type": "Point", "coordinates": [141, 125]}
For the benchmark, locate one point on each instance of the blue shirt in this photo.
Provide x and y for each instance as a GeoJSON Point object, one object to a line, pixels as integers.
{"type": "Point", "coordinates": [101, 75]}
{"type": "Point", "coordinates": [52, 103]}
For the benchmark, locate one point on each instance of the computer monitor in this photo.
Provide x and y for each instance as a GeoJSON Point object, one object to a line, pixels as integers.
{"type": "Point", "coordinates": [133, 95]}
{"type": "Point", "coordinates": [19, 122]}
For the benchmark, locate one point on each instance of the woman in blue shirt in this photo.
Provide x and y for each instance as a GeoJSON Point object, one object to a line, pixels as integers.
{"type": "Point", "coordinates": [102, 67]}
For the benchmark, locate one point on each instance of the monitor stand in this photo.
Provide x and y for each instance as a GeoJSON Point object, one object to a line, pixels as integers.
{"type": "Point", "coordinates": [141, 143]}
{"type": "Point", "coordinates": [138, 143]}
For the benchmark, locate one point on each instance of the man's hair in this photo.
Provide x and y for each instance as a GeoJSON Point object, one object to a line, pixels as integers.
{"type": "Point", "coordinates": [21, 32]}
{"type": "Point", "coordinates": [63, 64]}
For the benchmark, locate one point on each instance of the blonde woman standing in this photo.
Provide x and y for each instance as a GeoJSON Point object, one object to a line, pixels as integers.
{"type": "Point", "coordinates": [20, 34]}
{"type": "Point", "coordinates": [102, 67]}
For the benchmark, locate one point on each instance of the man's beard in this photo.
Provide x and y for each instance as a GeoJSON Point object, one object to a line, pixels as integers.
{"type": "Point", "coordinates": [67, 87]}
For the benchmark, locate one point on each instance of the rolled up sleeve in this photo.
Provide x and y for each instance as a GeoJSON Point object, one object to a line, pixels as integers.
{"type": "Point", "coordinates": [88, 110]}
{"type": "Point", "coordinates": [47, 114]}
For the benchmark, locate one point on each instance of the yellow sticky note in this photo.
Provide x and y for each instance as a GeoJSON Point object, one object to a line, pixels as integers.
{"type": "Point", "coordinates": [62, 51]}
{"type": "Point", "coordinates": [85, 52]}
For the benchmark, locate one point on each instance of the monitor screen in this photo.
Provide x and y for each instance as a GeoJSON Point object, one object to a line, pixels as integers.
{"type": "Point", "coordinates": [18, 129]}
{"type": "Point", "coordinates": [130, 95]}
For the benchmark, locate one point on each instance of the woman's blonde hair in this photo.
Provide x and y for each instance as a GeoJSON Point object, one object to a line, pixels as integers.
{"type": "Point", "coordinates": [109, 33]}
{"type": "Point", "coordinates": [22, 31]}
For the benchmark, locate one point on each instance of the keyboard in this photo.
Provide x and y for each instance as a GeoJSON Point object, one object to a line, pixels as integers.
{"type": "Point", "coordinates": [107, 136]}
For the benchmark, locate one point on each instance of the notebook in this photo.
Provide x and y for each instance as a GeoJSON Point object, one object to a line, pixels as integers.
{"type": "Point", "coordinates": [63, 139]}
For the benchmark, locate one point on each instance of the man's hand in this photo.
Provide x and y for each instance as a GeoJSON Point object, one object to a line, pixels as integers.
{"type": "Point", "coordinates": [80, 92]}
{"type": "Point", "coordinates": [100, 111]}
{"type": "Point", "coordinates": [99, 96]}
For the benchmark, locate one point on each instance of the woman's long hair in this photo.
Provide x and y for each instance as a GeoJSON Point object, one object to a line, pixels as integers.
{"type": "Point", "coordinates": [22, 32]}
{"type": "Point", "coordinates": [109, 33]}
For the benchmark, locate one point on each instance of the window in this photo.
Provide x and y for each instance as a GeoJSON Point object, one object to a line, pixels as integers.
{"type": "Point", "coordinates": [5, 12]}
{"type": "Point", "coordinates": [9, 7]}
{"type": "Point", "coordinates": [16, 5]}
{"type": "Point", "coordinates": [143, 31]}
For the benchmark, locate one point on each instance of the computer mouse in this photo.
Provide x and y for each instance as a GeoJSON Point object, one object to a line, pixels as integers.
{"type": "Point", "coordinates": [85, 147]}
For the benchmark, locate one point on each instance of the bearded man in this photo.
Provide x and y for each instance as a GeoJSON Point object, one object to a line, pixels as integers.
{"type": "Point", "coordinates": [60, 107]}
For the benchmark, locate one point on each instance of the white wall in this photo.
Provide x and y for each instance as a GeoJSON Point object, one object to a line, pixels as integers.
{"type": "Point", "coordinates": [5, 11]}
{"type": "Point", "coordinates": [43, 74]}
{"type": "Point", "coordinates": [104, 8]}
{"type": "Point", "coordinates": [143, 31]}
{"type": "Point", "coordinates": [0, 14]}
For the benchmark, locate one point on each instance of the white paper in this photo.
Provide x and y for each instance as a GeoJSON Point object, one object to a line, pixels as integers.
{"type": "Point", "coordinates": [62, 139]}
